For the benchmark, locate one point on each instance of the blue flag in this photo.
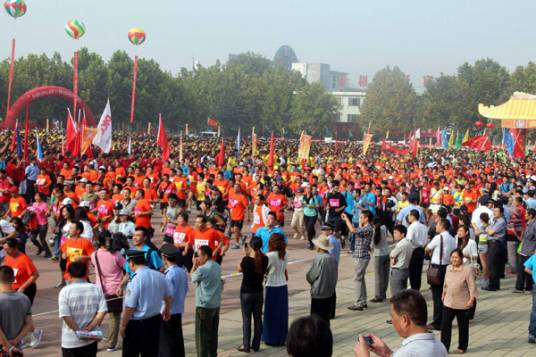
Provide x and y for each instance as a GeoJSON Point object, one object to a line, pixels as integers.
{"type": "Point", "coordinates": [19, 143]}
{"type": "Point", "coordinates": [508, 141]}
{"type": "Point", "coordinates": [444, 138]}
{"type": "Point", "coordinates": [39, 148]}
{"type": "Point", "coordinates": [237, 145]}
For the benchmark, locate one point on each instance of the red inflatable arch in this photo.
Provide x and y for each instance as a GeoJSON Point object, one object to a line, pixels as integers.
{"type": "Point", "coordinates": [42, 92]}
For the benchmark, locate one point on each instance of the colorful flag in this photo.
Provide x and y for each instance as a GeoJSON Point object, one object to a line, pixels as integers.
{"type": "Point", "coordinates": [367, 139]}
{"type": "Point", "coordinates": [220, 158]}
{"type": "Point", "coordinates": [103, 136]}
{"type": "Point", "coordinates": [237, 144]}
{"type": "Point", "coordinates": [479, 143]}
{"type": "Point", "coordinates": [508, 141]}
{"type": "Point", "coordinates": [253, 142]}
{"type": "Point", "coordinates": [458, 144]}
{"type": "Point", "coordinates": [72, 143]}
{"type": "Point", "coordinates": [87, 136]}
{"type": "Point", "coordinates": [161, 139]}
{"type": "Point", "coordinates": [451, 140]}
{"type": "Point", "coordinates": [520, 137]}
{"type": "Point", "coordinates": [39, 149]}
{"type": "Point", "coordinates": [271, 155]}
{"type": "Point", "coordinates": [466, 136]}
{"type": "Point", "coordinates": [305, 146]}
{"type": "Point", "coordinates": [444, 138]}
{"type": "Point", "coordinates": [418, 134]}
{"type": "Point", "coordinates": [438, 137]}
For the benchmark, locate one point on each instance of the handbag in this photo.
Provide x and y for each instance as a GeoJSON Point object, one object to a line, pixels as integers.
{"type": "Point", "coordinates": [433, 274]}
{"type": "Point", "coordinates": [113, 301]}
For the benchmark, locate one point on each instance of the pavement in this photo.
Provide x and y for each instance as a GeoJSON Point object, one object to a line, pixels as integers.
{"type": "Point", "coordinates": [499, 329]}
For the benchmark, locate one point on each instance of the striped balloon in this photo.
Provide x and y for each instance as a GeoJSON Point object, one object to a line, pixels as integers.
{"type": "Point", "coordinates": [15, 8]}
{"type": "Point", "coordinates": [75, 28]}
{"type": "Point", "coordinates": [136, 36]}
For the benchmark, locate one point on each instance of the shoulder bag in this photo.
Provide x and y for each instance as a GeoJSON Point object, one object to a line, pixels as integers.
{"type": "Point", "coordinates": [113, 301]}
{"type": "Point", "coordinates": [433, 275]}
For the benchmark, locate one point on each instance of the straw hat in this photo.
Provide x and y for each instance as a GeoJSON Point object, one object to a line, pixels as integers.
{"type": "Point", "coordinates": [322, 242]}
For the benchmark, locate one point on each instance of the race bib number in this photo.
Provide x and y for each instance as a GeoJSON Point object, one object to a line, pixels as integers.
{"type": "Point", "coordinates": [334, 202]}
{"type": "Point", "coordinates": [199, 243]}
{"type": "Point", "coordinates": [137, 211]}
{"type": "Point", "coordinates": [73, 253]}
{"type": "Point", "coordinates": [169, 230]}
{"type": "Point", "coordinates": [103, 210]}
{"type": "Point", "coordinates": [40, 182]}
{"type": "Point", "coordinates": [275, 203]}
{"type": "Point", "coordinates": [178, 237]}
{"type": "Point", "coordinates": [233, 203]}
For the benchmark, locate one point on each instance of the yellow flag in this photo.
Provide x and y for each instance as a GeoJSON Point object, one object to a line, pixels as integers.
{"type": "Point", "coordinates": [452, 139]}
{"type": "Point", "coordinates": [466, 136]}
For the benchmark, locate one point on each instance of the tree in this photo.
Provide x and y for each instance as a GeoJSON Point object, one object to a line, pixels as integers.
{"type": "Point", "coordinates": [442, 103]}
{"type": "Point", "coordinates": [313, 109]}
{"type": "Point", "coordinates": [523, 79]}
{"type": "Point", "coordinates": [390, 104]}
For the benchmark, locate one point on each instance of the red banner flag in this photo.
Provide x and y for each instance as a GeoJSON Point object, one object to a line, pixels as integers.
{"type": "Point", "coordinates": [71, 137]}
{"type": "Point", "coordinates": [133, 97]}
{"type": "Point", "coordinates": [213, 123]}
{"type": "Point", "coordinates": [161, 139]}
{"type": "Point", "coordinates": [519, 136]}
{"type": "Point", "coordinates": [479, 143]}
{"type": "Point", "coordinates": [220, 158]}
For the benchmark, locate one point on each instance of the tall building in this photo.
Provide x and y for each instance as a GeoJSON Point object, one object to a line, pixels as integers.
{"type": "Point", "coordinates": [321, 72]}
{"type": "Point", "coordinates": [285, 57]}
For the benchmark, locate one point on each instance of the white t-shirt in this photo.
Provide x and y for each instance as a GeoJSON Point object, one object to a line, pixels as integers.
{"type": "Point", "coordinates": [417, 234]}
{"type": "Point", "coordinates": [470, 250]}
{"type": "Point", "coordinates": [449, 244]}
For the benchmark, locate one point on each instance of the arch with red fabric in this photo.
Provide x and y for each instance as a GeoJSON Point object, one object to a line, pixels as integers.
{"type": "Point", "coordinates": [43, 92]}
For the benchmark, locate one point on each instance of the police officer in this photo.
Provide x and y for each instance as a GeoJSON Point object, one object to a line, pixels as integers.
{"type": "Point", "coordinates": [171, 338]}
{"type": "Point", "coordinates": [140, 325]}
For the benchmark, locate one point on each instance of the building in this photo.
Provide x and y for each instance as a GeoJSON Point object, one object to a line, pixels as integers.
{"type": "Point", "coordinates": [322, 73]}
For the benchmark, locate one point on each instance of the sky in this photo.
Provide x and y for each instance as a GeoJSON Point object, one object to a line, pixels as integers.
{"type": "Point", "coordinates": [357, 37]}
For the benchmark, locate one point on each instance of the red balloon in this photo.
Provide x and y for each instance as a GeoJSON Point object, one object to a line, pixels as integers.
{"type": "Point", "coordinates": [490, 125]}
{"type": "Point", "coordinates": [479, 124]}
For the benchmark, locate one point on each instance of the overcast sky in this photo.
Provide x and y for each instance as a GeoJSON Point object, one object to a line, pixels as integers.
{"type": "Point", "coordinates": [354, 36]}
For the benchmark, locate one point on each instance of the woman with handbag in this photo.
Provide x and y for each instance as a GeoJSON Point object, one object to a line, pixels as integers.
{"type": "Point", "coordinates": [109, 272]}
{"type": "Point", "coordinates": [459, 295]}
{"type": "Point", "coordinates": [469, 249]}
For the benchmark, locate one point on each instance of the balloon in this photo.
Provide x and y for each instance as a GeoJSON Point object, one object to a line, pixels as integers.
{"type": "Point", "coordinates": [136, 36]}
{"type": "Point", "coordinates": [15, 8]}
{"type": "Point", "coordinates": [490, 125]}
{"type": "Point", "coordinates": [479, 124]}
{"type": "Point", "coordinates": [75, 28]}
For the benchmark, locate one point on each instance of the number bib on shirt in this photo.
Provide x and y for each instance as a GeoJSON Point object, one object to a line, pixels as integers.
{"type": "Point", "coordinates": [199, 243]}
{"type": "Point", "coordinates": [169, 230]}
{"type": "Point", "coordinates": [178, 237]}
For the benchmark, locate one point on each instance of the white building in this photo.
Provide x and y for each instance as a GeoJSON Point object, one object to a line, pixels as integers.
{"type": "Point", "coordinates": [350, 105]}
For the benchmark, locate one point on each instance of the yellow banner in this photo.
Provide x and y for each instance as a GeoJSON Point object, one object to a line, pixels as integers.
{"type": "Point", "coordinates": [87, 139]}
{"type": "Point", "coordinates": [305, 147]}
{"type": "Point", "coordinates": [367, 139]}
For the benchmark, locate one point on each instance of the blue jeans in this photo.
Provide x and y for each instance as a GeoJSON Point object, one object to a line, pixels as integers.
{"type": "Point", "coordinates": [56, 245]}
{"type": "Point", "coordinates": [352, 242]}
{"type": "Point", "coordinates": [532, 325]}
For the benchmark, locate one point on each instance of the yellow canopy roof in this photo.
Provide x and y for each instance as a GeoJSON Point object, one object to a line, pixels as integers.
{"type": "Point", "coordinates": [518, 112]}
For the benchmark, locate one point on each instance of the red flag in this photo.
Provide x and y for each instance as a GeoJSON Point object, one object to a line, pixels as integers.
{"type": "Point", "coordinates": [479, 143]}
{"type": "Point", "coordinates": [220, 158]}
{"type": "Point", "coordinates": [71, 137]}
{"type": "Point", "coordinates": [213, 123]}
{"type": "Point", "coordinates": [161, 139]}
{"type": "Point", "coordinates": [520, 137]}
{"type": "Point", "coordinates": [414, 146]}
{"type": "Point", "coordinates": [270, 162]}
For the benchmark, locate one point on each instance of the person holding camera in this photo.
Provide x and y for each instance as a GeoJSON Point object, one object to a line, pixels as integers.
{"type": "Point", "coordinates": [109, 262]}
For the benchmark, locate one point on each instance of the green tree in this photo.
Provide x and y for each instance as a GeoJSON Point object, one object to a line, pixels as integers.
{"type": "Point", "coordinates": [441, 103]}
{"type": "Point", "coordinates": [313, 109]}
{"type": "Point", "coordinates": [390, 103]}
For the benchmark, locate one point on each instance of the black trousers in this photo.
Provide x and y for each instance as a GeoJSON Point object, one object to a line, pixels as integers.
{"type": "Point", "coordinates": [310, 227]}
{"type": "Point", "coordinates": [207, 322]}
{"type": "Point", "coordinates": [496, 264]}
{"type": "Point", "coordinates": [84, 351]}
{"type": "Point", "coordinates": [171, 338]}
{"type": "Point", "coordinates": [251, 305]}
{"type": "Point", "coordinates": [523, 280]}
{"type": "Point", "coordinates": [30, 292]}
{"type": "Point", "coordinates": [437, 292]}
{"type": "Point", "coordinates": [333, 306]}
{"type": "Point", "coordinates": [415, 268]}
{"type": "Point", "coordinates": [463, 326]}
{"type": "Point", "coordinates": [142, 337]}
{"type": "Point", "coordinates": [322, 308]}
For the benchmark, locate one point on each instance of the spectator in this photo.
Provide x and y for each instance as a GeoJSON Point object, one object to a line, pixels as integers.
{"type": "Point", "coordinates": [82, 307]}
{"type": "Point", "coordinates": [310, 337]}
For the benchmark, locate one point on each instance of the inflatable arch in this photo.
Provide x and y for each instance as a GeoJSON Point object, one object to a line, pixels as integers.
{"type": "Point", "coordinates": [42, 92]}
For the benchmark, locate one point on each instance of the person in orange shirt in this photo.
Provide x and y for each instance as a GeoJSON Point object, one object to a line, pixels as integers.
{"type": "Point", "coordinates": [448, 199]}
{"type": "Point", "coordinates": [66, 172]}
{"type": "Point", "coordinates": [260, 213]}
{"type": "Point", "coordinates": [104, 209]}
{"type": "Point", "coordinates": [17, 203]}
{"type": "Point", "coordinates": [150, 193]}
{"type": "Point", "coordinates": [116, 193]}
{"type": "Point", "coordinates": [183, 240]}
{"type": "Point", "coordinates": [238, 205]}
{"type": "Point", "coordinates": [203, 235]}
{"type": "Point", "coordinates": [181, 187]}
{"type": "Point", "coordinates": [142, 211]}
{"type": "Point", "coordinates": [277, 203]}
{"type": "Point", "coordinates": [43, 182]}
{"type": "Point", "coordinates": [470, 197]}
{"type": "Point", "coordinates": [76, 248]}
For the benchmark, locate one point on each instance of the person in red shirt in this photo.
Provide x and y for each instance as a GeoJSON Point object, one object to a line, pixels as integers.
{"type": "Point", "coordinates": [142, 211]}
{"type": "Point", "coordinates": [76, 248]}
{"type": "Point", "coordinates": [183, 240]}
{"type": "Point", "coordinates": [150, 193]}
{"type": "Point", "coordinates": [5, 195]}
{"type": "Point", "coordinates": [238, 204]}
{"type": "Point", "coordinates": [202, 235]}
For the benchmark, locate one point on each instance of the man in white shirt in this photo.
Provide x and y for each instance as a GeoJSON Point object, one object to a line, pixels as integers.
{"type": "Point", "coordinates": [409, 314]}
{"type": "Point", "coordinates": [485, 206]}
{"type": "Point", "coordinates": [418, 235]}
{"type": "Point", "coordinates": [440, 248]}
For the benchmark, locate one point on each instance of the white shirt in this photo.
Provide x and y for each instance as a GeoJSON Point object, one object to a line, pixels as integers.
{"type": "Point", "coordinates": [417, 234]}
{"type": "Point", "coordinates": [276, 270]}
{"type": "Point", "coordinates": [449, 244]}
{"type": "Point", "coordinates": [421, 345]}
{"type": "Point", "coordinates": [475, 217]}
{"type": "Point", "coordinates": [471, 250]}
{"type": "Point", "coordinates": [81, 301]}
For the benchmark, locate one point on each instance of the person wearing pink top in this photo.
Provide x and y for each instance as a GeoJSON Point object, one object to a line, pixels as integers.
{"type": "Point", "coordinates": [108, 263]}
{"type": "Point", "coordinates": [41, 211]}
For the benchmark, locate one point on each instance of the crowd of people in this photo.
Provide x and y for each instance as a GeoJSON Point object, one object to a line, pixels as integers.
{"type": "Point", "coordinates": [466, 217]}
